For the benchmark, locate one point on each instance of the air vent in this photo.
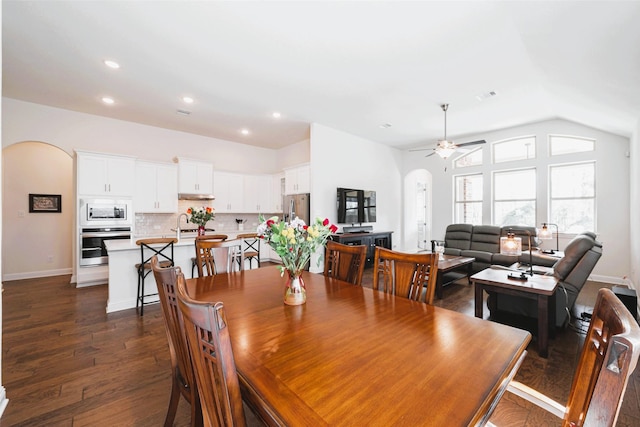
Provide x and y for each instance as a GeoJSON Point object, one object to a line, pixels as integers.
{"type": "Point", "coordinates": [486, 95]}
{"type": "Point", "coordinates": [183, 112]}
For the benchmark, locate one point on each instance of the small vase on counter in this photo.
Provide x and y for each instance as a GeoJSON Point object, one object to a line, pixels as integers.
{"type": "Point", "coordinates": [201, 230]}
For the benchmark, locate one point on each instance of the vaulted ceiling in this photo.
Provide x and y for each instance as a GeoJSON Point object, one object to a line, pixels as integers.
{"type": "Point", "coordinates": [351, 65]}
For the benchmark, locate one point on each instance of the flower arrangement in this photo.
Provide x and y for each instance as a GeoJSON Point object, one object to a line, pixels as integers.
{"type": "Point", "coordinates": [295, 241]}
{"type": "Point", "coordinates": [201, 216]}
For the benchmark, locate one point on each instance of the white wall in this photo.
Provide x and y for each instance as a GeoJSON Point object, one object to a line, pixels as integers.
{"type": "Point", "coordinates": [634, 209]}
{"type": "Point", "coordinates": [339, 159]}
{"type": "Point", "coordinates": [69, 130]}
{"type": "Point", "coordinates": [38, 243]}
{"type": "Point", "coordinates": [612, 186]}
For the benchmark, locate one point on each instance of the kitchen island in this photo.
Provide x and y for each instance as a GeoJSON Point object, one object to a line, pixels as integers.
{"type": "Point", "coordinates": [123, 276]}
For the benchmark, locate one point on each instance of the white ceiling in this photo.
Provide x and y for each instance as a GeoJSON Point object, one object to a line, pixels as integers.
{"type": "Point", "coordinates": [349, 65]}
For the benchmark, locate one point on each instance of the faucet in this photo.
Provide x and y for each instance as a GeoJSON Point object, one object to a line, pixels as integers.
{"type": "Point", "coordinates": [178, 223]}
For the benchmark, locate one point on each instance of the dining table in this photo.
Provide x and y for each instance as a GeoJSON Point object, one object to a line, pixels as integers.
{"type": "Point", "coordinates": [352, 355]}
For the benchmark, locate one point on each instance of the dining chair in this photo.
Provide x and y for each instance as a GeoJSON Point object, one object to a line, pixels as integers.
{"type": "Point", "coordinates": [406, 274]}
{"type": "Point", "coordinates": [183, 381]}
{"type": "Point", "coordinates": [162, 247]}
{"type": "Point", "coordinates": [212, 359]}
{"type": "Point", "coordinates": [345, 262]}
{"type": "Point", "coordinates": [214, 237]}
{"type": "Point", "coordinates": [609, 356]}
{"type": "Point", "coordinates": [250, 247]}
{"type": "Point", "coordinates": [215, 257]}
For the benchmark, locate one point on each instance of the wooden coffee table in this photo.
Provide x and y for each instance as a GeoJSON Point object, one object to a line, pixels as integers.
{"type": "Point", "coordinates": [543, 287]}
{"type": "Point", "coordinates": [450, 262]}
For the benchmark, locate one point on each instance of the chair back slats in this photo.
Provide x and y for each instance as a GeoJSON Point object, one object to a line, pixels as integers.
{"type": "Point", "coordinates": [162, 247]}
{"type": "Point", "coordinates": [212, 358]}
{"type": "Point", "coordinates": [609, 355]}
{"type": "Point", "coordinates": [183, 378]}
{"type": "Point", "coordinates": [345, 262]}
{"type": "Point", "coordinates": [216, 257]}
{"type": "Point", "coordinates": [405, 274]}
{"type": "Point", "coordinates": [250, 247]}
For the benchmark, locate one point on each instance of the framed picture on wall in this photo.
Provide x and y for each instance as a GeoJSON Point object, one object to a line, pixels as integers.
{"type": "Point", "coordinates": [45, 203]}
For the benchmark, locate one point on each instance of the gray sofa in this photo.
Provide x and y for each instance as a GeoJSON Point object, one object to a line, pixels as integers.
{"type": "Point", "coordinates": [482, 242]}
{"type": "Point", "coordinates": [572, 272]}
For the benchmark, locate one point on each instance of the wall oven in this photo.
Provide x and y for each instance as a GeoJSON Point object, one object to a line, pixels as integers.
{"type": "Point", "coordinates": [92, 239]}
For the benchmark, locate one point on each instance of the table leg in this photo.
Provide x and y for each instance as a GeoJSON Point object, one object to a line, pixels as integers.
{"type": "Point", "coordinates": [439, 284]}
{"type": "Point", "coordinates": [543, 325]}
{"type": "Point", "coordinates": [478, 298]}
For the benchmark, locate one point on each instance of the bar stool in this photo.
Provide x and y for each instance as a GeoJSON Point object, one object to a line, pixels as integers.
{"type": "Point", "coordinates": [250, 247]}
{"type": "Point", "coordinates": [162, 247]}
{"type": "Point", "coordinates": [210, 237]}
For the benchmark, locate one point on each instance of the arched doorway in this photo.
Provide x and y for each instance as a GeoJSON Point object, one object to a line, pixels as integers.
{"type": "Point", "coordinates": [36, 244]}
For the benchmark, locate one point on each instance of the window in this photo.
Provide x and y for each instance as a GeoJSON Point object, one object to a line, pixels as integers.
{"type": "Point", "coordinates": [509, 150]}
{"type": "Point", "coordinates": [473, 158]}
{"type": "Point", "coordinates": [514, 197]}
{"type": "Point", "coordinates": [468, 199]}
{"type": "Point", "coordinates": [572, 196]}
{"type": "Point", "coordinates": [562, 144]}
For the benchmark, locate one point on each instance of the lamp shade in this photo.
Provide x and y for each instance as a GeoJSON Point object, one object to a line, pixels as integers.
{"type": "Point", "coordinates": [544, 233]}
{"type": "Point", "coordinates": [511, 245]}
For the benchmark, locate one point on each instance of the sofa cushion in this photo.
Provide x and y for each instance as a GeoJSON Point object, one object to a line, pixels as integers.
{"type": "Point", "coordinates": [486, 238]}
{"type": "Point", "coordinates": [458, 236]}
{"type": "Point", "coordinates": [505, 260]}
{"type": "Point", "coordinates": [480, 256]}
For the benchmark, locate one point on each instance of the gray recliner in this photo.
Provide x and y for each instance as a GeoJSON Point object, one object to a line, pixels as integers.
{"type": "Point", "coordinates": [572, 271]}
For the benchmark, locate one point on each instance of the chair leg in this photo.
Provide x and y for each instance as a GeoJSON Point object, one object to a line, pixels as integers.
{"type": "Point", "coordinates": [173, 402]}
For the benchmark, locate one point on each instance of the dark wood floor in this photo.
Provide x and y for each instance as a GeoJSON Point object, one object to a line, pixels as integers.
{"type": "Point", "coordinates": [66, 362]}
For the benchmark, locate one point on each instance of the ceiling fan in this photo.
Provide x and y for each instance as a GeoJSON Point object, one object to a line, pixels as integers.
{"type": "Point", "coordinates": [445, 147]}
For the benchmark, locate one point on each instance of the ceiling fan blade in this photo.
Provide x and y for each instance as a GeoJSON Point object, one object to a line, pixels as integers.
{"type": "Point", "coordinates": [430, 154]}
{"type": "Point", "coordinates": [467, 144]}
{"type": "Point", "coordinates": [421, 149]}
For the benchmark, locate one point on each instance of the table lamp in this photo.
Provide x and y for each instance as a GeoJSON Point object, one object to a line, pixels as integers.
{"type": "Point", "coordinates": [545, 234]}
{"type": "Point", "coordinates": [512, 245]}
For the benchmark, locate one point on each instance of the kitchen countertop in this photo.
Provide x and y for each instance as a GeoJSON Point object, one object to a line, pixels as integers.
{"type": "Point", "coordinates": [187, 239]}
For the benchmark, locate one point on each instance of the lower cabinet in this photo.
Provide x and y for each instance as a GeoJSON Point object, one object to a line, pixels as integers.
{"type": "Point", "coordinates": [370, 240]}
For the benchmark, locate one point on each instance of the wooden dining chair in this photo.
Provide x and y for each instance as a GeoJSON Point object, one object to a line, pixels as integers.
{"type": "Point", "coordinates": [405, 274]}
{"type": "Point", "coordinates": [345, 262]}
{"type": "Point", "coordinates": [609, 356]}
{"type": "Point", "coordinates": [214, 237]}
{"type": "Point", "coordinates": [250, 247]}
{"type": "Point", "coordinates": [162, 247]}
{"type": "Point", "coordinates": [183, 381]}
{"type": "Point", "coordinates": [212, 358]}
{"type": "Point", "coordinates": [215, 257]}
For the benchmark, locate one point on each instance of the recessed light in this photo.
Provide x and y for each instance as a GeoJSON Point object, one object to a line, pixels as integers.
{"type": "Point", "coordinates": [187, 99]}
{"type": "Point", "coordinates": [276, 115]}
{"type": "Point", "coordinates": [107, 100]}
{"type": "Point", "coordinates": [386, 125]}
{"type": "Point", "coordinates": [111, 64]}
{"type": "Point", "coordinates": [245, 131]}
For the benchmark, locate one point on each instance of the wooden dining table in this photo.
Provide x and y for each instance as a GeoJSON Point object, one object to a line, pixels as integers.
{"type": "Point", "coordinates": [354, 356]}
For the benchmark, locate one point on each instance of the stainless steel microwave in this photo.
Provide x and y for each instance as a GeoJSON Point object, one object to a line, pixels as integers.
{"type": "Point", "coordinates": [101, 212]}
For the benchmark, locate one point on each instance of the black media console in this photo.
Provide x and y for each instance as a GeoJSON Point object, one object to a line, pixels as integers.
{"type": "Point", "coordinates": [369, 239]}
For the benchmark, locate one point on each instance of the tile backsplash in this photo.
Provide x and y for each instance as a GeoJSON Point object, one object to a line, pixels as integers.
{"type": "Point", "coordinates": [151, 224]}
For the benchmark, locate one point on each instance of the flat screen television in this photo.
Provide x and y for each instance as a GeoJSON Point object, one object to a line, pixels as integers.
{"type": "Point", "coordinates": [356, 206]}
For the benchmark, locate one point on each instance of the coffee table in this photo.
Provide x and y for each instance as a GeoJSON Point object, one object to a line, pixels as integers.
{"type": "Point", "coordinates": [450, 262]}
{"type": "Point", "coordinates": [542, 287]}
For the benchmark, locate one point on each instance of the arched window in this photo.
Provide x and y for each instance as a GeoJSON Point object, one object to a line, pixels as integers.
{"type": "Point", "coordinates": [472, 158]}
{"type": "Point", "coordinates": [509, 150]}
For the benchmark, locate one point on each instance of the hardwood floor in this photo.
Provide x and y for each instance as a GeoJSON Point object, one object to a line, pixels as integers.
{"type": "Point", "coordinates": [66, 362]}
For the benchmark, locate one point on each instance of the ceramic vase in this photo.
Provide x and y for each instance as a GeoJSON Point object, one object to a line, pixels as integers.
{"type": "Point", "coordinates": [201, 230]}
{"type": "Point", "coordinates": [294, 292]}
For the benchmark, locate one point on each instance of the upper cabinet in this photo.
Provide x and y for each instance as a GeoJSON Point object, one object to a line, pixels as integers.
{"type": "Point", "coordinates": [156, 188]}
{"type": "Point", "coordinates": [257, 194]}
{"type": "Point", "coordinates": [228, 190]}
{"type": "Point", "coordinates": [195, 177]}
{"type": "Point", "coordinates": [297, 180]}
{"type": "Point", "coordinates": [105, 175]}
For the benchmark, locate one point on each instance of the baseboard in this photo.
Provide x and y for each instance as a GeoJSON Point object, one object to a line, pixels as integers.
{"type": "Point", "coordinates": [3, 400]}
{"type": "Point", "coordinates": [36, 274]}
{"type": "Point", "coordinates": [610, 279]}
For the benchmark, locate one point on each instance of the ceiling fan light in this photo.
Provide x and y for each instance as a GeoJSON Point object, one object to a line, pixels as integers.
{"type": "Point", "coordinates": [445, 152]}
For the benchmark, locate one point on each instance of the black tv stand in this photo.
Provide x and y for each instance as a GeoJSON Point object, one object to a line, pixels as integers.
{"type": "Point", "coordinates": [370, 239]}
{"type": "Point", "coordinates": [357, 229]}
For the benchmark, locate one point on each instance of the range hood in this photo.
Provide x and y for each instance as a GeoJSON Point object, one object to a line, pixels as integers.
{"type": "Point", "coordinates": [194, 196]}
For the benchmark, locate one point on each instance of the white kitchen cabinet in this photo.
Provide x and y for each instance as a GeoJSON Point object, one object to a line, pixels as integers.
{"type": "Point", "coordinates": [156, 188]}
{"type": "Point", "coordinates": [105, 175]}
{"type": "Point", "coordinates": [277, 189]}
{"type": "Point", "coordinates": [257, 194]}
{"type": "Point", "coordinates": [195, 177]}
{"type": "Point", "coordinates": [228, 190]}
{"type": "Point", "coordinates": [297, 180]}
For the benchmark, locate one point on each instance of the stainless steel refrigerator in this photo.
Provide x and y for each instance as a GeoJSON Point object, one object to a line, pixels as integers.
{"type": "Point", "coordinates": [297, 205]}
